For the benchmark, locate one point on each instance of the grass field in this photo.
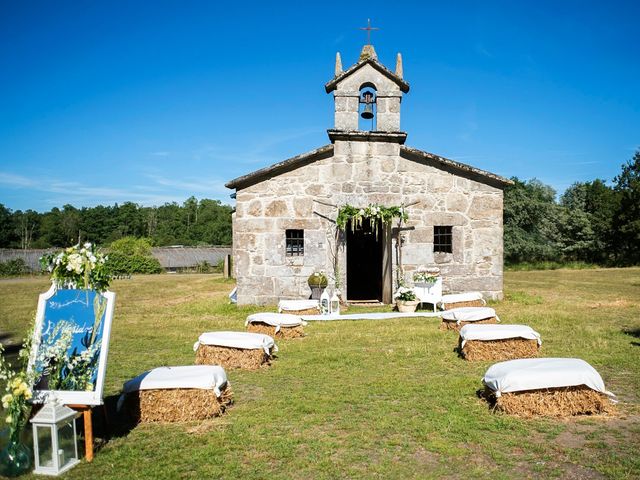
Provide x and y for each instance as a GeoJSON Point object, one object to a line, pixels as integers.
{"type": "Point", "coordinates": [368, 399]}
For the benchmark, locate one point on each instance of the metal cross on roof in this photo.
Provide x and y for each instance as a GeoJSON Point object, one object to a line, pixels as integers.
{"type": "Point", "coordinates": [368, 28]}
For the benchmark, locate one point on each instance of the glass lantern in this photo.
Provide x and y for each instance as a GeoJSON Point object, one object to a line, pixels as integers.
{"type": "Point", "coordinates": [55, 445]}
{"type": "Point", "coordinates": [335, 304]}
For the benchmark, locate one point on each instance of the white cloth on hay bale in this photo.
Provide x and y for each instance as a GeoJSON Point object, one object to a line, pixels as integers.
{"type": "Point", "coordinates": [462, 297]}
{"type": "Point", "coordinates": [277, 320]}
{"type": "Point", "coordinates": [202, 377]}
{"type": "Point", "coordinates": [488, 332]}
{"type": "Point", "coordinates": [243, 340]}
{"type": "Point", "coordinates": [289, 305]}
{"type": "Point", "coordinates": [469, 314]}
{"type": "Point", "coordinates": [540, 373]}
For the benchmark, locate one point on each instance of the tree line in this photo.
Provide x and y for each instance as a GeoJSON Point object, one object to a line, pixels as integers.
{"type": "Point", "coordinates": [591, 222]}
{"type": "Point", "coordinates": [195, 222]}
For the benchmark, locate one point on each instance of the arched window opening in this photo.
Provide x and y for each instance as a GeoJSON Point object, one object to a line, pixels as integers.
{"type": "Point", "coordinates": [367, 109]}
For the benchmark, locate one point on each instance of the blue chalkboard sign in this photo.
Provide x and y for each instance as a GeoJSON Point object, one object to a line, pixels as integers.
{"type": "Point", "coordinates": [71, 342]}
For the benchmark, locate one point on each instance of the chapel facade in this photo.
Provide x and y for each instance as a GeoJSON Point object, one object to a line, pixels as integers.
{"type": "Point", "coordinates": [284, 225]}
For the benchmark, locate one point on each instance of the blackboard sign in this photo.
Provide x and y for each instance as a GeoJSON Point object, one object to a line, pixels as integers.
{"type": "Point", "coordinates": [71, 342]}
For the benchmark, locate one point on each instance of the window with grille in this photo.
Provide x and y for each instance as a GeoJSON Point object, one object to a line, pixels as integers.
{"type": "Point", "coordinates": [294, 243]}
{"type": "Point", "coordinates": [443, 239]}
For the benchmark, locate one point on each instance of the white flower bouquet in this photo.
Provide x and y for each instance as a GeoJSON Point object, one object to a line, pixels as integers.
{"type": "Point", "coordinates": [79, 267]}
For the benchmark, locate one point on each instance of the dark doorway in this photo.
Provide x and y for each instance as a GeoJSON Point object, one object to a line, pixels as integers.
{"type": "Point", "coordinates": [364, 261]}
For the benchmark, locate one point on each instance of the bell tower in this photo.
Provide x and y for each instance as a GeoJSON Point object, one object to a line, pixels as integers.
{"type": "Point", "coordinates": [367, 95]}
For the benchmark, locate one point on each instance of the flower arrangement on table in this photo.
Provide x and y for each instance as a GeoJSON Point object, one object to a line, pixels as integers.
{"type": "Point", "coordinates": [426, 275]}
{"type": "Point", "coordinates": [80, 266]}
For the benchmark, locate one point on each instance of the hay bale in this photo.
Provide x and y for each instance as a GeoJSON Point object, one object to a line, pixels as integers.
{"type": "Point", "coordinates": [453, 325]}
{"type": "Point", "coordinates": [552, 402]}
{"type": "Point", "coordinates": [305, 311]}
{"type": "Point", "coordinates": [229, 357]}
{"type": "Point", "coordinates": [471, 303]}
{"type": "Point", "coordinates": [502, 349]}
{"type": "Point", "coordinates": [284, 332]}
{"type": "Point", "coordinates": [177, 404]}
{"type": "Point", "coordinates": [299, 307]}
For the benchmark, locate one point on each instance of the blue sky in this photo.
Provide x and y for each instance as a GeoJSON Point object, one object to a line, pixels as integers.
{"type": "Point", "coordinates": [151, 102]}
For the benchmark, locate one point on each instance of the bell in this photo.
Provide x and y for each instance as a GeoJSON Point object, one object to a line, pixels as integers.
{"type": "Point", "coordinates": [367, 113]}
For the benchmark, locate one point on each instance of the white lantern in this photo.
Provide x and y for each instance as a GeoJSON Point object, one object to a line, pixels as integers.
{"type": "Point", "coordinates": [55, 445]}
{"type": "Point", "coordinates": [335, 304]}
{"type": "Point", "coordinates": [325, 303]}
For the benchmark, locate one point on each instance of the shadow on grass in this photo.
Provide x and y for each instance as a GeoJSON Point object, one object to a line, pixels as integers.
{"type": "Point", "coordinates": [11, 347]}
{"type": "Point", "coordinates": [109, 423]}
{"type": "Point", "coordinates": [633, 332]}
{"type": "Point", "coordinates": [487, 396]}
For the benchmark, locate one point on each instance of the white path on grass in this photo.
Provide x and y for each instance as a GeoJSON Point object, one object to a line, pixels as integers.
{"type": "Point", "coordinates": [370, 316]}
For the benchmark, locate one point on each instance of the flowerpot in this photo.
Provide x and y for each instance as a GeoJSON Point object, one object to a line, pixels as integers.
{"type": "Point", "coordinates": [15, 459]}
{"type": "Point", "coordinates": [407, 306]}
{"type": "Point", "coordinates": [316, 292]}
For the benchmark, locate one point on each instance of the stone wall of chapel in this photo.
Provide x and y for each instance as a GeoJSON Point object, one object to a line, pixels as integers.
{"type": "Point", "coordinates": [360, 173]}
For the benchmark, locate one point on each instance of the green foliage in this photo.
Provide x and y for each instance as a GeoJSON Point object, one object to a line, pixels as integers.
{"type": "Point", "coordinates": [373, 212]}
{"type": "Point", "coordinates": [627, 218]}
{"type": "Point", "coordinates": [206, 267]}
{"type": "Point", "coordinates": [582, 227]}
{"type": "Point", "coordinates": [530, 229]}
{"type": "Point", "coordinates": [130, 255]}
{"type": "Point", "coordinates": [125, 264]}
{"type": "Point", "coordinates": [405, 294]}
{"type": "Point", "coordinates": [317, 279]}
{"type": "Point", "coordinates": [13, 268]}
{"type": "Point", "coordinates": [591, 208]}
{"type": "Point", "coordinates": [131, 246]}
{"type": "Point", "coordinates": [195, 222]}
{"type": "Point", "coordinates": [6, 226]}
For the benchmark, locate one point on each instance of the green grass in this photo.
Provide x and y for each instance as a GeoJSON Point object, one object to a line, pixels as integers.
{"type": "Point", "coordinates": [547, 265]}
{"type": "Point", "coordinates": [369, 399]}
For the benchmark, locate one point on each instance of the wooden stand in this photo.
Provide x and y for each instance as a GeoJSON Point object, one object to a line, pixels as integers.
{"type": "Point", "coordinates": [88, 429]}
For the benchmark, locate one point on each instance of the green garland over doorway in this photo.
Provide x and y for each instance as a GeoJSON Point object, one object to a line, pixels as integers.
{"type": "Point", "coordinates": [371, 212]}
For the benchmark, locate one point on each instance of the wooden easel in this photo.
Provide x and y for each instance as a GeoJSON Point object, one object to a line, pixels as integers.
{"type": "Point", "coordinates": [88, 429]}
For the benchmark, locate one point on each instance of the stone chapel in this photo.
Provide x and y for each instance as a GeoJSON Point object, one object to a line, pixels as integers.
{"type": "Point", "coordinates": [284, 225]}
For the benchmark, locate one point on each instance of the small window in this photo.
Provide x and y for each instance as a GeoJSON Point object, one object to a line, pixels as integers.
{"type": "Point", "coordinates": [443, 239]}
{"type": "Point", "coordinates": [295, 243]}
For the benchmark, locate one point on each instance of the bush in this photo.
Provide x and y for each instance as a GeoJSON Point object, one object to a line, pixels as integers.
{"type": "Point", "coordinates": [204, 267]}
{"type": "Point", "coordinates": [317, 279]}
{"type": "Point", "coordinates": [13, 268]}
{"type": "Point", "coordinates": [132, 246]}
{"type": "Point", "coordinates": [125, 264]}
